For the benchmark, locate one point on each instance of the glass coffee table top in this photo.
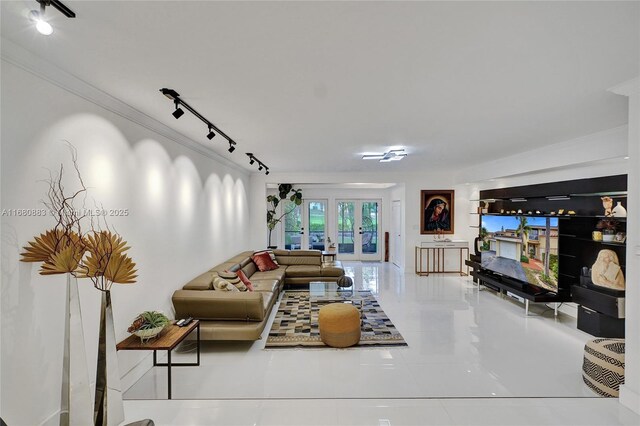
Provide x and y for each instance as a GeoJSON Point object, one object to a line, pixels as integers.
{"type": "Point", "coordinates": [322, 293]}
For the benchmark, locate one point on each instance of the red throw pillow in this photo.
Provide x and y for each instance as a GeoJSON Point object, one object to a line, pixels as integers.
{"type": "Point", "coordinates": [245, 280]}
{"type": "Point", "coordinates": [263, 262]}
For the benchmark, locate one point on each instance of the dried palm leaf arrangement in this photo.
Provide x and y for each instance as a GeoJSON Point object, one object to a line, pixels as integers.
{"type": "Point", "coordinates": [99, 254]}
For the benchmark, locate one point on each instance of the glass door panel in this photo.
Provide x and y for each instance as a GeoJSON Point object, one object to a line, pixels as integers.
{"type": "Point", "coordinates": [316, 224]}
{"type": "Point", "coordinates": [369, 229]}
{"type": "Point", "coordinates": [346, 227]}
{"type": "Point", "coordinates": [292, 225]}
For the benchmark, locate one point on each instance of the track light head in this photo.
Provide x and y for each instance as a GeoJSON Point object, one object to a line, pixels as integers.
{"type": "Point", "coordinates": [266, 172]}
{"type": "Point", "coordinates": [42, 26]}
{"type": "Point", "coordinates": [231, 147]}
{"type": "Point", "coordinates": [251, 161]}
{"type": "Point", "coordinates": [178, 112]}
{"type": "Point", "coordinates": [210, 135]}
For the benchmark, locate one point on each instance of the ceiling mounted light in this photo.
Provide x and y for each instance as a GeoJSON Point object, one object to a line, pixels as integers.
{"type": "Point", "coordinates": [38, 18]}
{"type": "Point", "coordinates": [178, 112]}
{"type": "Point", "coordinates": [391, 155]}
{"type": "Point", "coordinates": [42, 26]}
{"type": "Point", "coordinates": [253, 159]}
{"type": "Point", "coordinates": [232, 146]}
{"type": "Point", "coordinates": [210, 135]}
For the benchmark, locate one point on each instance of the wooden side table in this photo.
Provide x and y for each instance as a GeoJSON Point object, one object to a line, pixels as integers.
{"type": "Point", "coordinates": [170, 337]}
{"type": "Point", "coordinates": [329, 254]}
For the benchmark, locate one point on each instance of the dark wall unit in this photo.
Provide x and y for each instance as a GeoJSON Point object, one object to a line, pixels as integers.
{"type": "Point", "coordinates": [576, 248]}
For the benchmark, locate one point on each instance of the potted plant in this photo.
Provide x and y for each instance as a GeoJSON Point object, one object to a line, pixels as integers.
{"type": "Point", "coordinates": [285, 191]}
{"type": "Point", "coordinates": [608, 226]}
{"type": "Point", "coordinates": [148, 324]}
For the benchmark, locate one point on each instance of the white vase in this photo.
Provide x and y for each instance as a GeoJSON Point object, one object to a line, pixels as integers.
{"type": "Point", "coordinates": [619, 211]}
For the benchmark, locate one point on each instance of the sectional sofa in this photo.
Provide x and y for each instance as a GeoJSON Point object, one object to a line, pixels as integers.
{"type": "Point", "coordinates": [227, 315]}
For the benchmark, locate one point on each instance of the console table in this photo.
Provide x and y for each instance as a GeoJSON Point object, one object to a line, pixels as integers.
{"type": "Point", "coordinates": [435, 255]}
{"type": "Point", "coordinates": [166, 341]}
{"type": "Point", "coordinates": [330, 255]}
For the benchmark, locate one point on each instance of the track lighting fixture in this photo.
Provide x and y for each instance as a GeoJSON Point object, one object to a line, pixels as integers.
{"type": "Point", "coordinates": [175, 97]}
{"type": "Point", "coordinates": [38, 17]}
{"type": "Point", "coordinates": [178, 112]}
{"type": "Point", "coordinates": [261, 165]}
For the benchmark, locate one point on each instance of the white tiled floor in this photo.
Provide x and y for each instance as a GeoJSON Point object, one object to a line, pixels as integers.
{"type": "Point", "coordinates": [473, 358]}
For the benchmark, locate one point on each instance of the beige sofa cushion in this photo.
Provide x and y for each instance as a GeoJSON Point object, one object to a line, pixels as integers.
{"type": "Point", "coordinates": [275, 274]}
{"type": "Point", "coordinates": [201, 282]}
{"type": "Point", "coordinates": [303, 271]}
{"type": "Point", "coordinates": [333, 269]}
{"type": "Point", "coordinates": [265, 285]}
{"type": "Point", "coordinates": [300, 257]}
{"type": "Point", "coordinates": [221, 305]}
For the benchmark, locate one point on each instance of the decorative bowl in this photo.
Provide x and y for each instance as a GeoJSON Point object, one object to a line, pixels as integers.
{"type": "Point", "coordinates": [148, 333]}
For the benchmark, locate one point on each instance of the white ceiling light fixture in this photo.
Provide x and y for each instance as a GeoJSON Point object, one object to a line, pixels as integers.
{"type": "Point", "coordinates": [391, 155]}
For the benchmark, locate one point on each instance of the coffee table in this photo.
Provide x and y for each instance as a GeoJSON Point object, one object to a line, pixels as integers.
{"type": "Point", "coordinates": [321, 293]}
{"type": "Point", "coordinates": [168, 339]}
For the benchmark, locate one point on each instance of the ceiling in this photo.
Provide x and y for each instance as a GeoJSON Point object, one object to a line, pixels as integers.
{"type": "Point", "coordinates": [311, 86]}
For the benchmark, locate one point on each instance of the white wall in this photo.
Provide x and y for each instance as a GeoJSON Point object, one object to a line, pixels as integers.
{"type": "Point", "coordinates": [187, 211]}
{"type": "Point", "coordinates": [630, 391]}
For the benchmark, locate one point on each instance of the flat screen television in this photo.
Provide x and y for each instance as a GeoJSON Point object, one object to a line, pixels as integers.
{"type": "Point", "coordinates": [521, 247]}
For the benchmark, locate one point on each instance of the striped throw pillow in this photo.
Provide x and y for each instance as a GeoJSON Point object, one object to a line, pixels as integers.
{"type": "Point", "coordinates": [233, 278]}
{"type": "Point", "coordinates": [220, 284]}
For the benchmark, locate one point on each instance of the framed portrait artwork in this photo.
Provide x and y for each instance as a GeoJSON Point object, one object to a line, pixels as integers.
{"type": "Point", "coordinates": [436, 211]}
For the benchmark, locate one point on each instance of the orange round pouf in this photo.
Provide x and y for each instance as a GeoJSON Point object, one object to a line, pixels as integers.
{"type": "Point", "coordinates": [339, 325]}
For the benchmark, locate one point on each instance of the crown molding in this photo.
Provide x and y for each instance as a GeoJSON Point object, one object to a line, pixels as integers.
{"type": "Point", "coordinates": [33, 64]}
{"type": "Point", "coordinates": [627, 88]}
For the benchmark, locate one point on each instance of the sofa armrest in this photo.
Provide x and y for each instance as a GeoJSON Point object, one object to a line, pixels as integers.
{"type": "Point", "coordinates": [219, 305]}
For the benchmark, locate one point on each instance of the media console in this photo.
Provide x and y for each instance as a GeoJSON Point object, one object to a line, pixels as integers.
{"type": "Point", "coordinates": [600, 313]}
{"type": "Point", "coordinates": [530, 294]}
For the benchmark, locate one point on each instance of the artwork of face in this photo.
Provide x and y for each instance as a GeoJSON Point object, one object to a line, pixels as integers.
{"type": "Point", "coordinates": [436, 212]}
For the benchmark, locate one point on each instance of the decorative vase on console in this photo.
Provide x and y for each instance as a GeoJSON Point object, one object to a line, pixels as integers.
{"type": "Point", "coordinates": [619, 210]}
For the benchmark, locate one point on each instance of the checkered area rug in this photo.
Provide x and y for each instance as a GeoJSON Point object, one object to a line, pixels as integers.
{"type": "Point", "coordinates": [296, 323]}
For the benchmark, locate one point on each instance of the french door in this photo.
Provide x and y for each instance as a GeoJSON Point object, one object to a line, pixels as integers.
{"type": "Point", "coordinates": [358, 226]}
{"type": "Point", "coordinates": [305, 227]}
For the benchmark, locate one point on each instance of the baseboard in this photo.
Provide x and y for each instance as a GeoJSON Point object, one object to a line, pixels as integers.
{"type": "Point", "coordinates": [52, 420]}
{"type": "Point", "coordinates": [629, 399]}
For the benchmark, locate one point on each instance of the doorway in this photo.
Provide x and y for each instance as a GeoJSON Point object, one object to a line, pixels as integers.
{"type": "Point", "coordinates": [397, 255]}
{"type": "Point", "coordinates": [358, 226]}
{"type": "Point", "coordinates": [305, 227]}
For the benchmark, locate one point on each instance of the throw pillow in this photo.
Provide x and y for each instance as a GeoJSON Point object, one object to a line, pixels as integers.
{"type": "Point", "coordinates": [245, 280]}
{"type": "Point", "coordinates": [271, 255]}
{"type": "Point", "coordinates": [233, 278]}
{"type": "Point", "coordinates": [263, 262]}
{"type": "Point", "coordinates": [220, 284]}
